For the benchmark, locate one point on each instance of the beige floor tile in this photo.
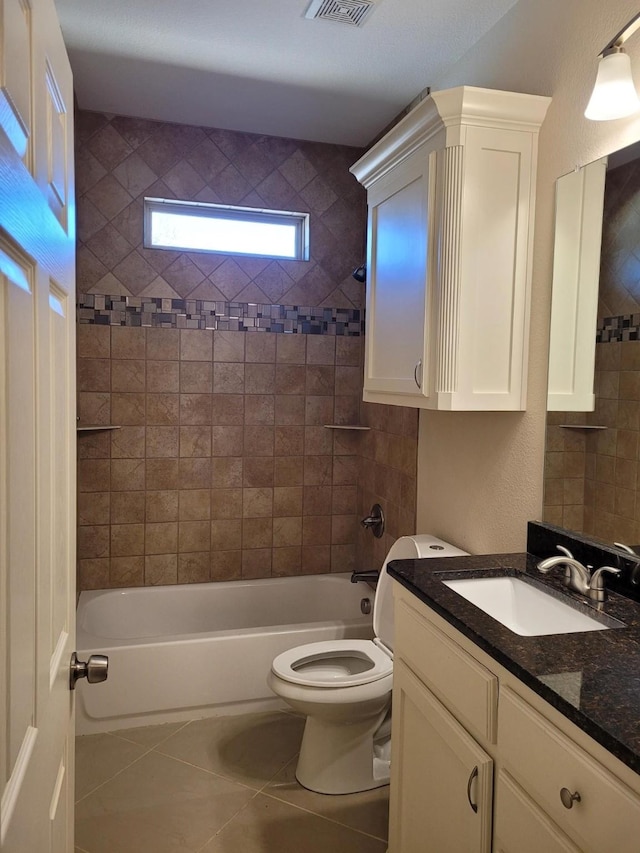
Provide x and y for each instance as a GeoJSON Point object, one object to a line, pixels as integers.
{"type": "Point", "coordinates": [367, 811]}
{"type": "Point", "coordinates": [149, 736]}
{"type": "Point", "coordinates": [270, 826]}
{"type": "Point", "coordinates": [157, 805]}
{"type": "Point", "coordinates": [99, 758]}
{"type": "Point", "coordinates": [250, 749]}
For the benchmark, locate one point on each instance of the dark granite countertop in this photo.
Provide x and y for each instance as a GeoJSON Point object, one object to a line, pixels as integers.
{"type": "Point", "coordinates": [593, 678]}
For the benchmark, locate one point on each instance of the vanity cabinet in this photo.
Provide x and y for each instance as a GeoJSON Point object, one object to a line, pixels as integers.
{"type": "Point", "coordinates": [451, 191]}
{"type": "Point", "coordinates": [455, 709]}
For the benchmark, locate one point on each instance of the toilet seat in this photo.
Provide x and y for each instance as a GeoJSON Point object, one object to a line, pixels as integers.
{"type": "Point", "coordinates": [335, 663]}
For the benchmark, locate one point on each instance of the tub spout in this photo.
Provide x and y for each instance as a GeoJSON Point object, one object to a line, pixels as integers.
{"type": "Point", "coordinates": [370, 576]}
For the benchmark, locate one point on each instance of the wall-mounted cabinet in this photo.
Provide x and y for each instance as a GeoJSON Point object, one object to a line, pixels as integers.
{"type": "Point", "coordinates": [451, 192]}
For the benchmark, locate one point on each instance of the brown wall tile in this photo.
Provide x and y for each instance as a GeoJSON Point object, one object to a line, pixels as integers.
{"type": "Point", "coordinates": [259, 378]}
{"type": "Point", "coordinates": [127, 507]}
{"type": "Point", "coordinates": [260, 348]}
{"type": "Point", "coordinates": [93, 374]}
{"type": "Point", "coordinates": [195, 505]}
{"type": "Point", "coordinates": [226, 472]}
{"type": "Point", "coordinates": [128, 342]}
{"type": "Point", "coordinates": [223, 440]}
{"type": "Point", "coordinates": [163, 376]}
{"type": "Point", "coordinates": [94, 408]}
{"type": "Point", "coordinates": [226, 565]}
{"type": "Point", "coordinates": [196, 345]}
{"type": "Point", "coordinates": [161, 474]}
{"type": "Point", "coordinates": [94, 341]}
{"type": "Point", "coordinates": [161, 538]}
{"type": "Point", "coordinates": [196, 377]}
{"type": "Point", "coordinates": [163, 344]}
{"type": "Point", "coordinates": [287, 561]}
{"type": "Point", "coordinates": [94, 508]}
{"type": "Point", "coordinates": [256, 563]}
{"type": "Point", "coordinates": [162, 441]}
{"type": "Point", "coordinates": [126, 571]}
{"type": "Point", "coordinates": [127, 540]}
{"type": "Point", "coordinates": [228, 378]}
{"type": "Point", "coordinates": [160, 569]}
{"type": "Point", "coordinates": [194, 567]}
{"type": "Point", "coordinates": [128, 475]}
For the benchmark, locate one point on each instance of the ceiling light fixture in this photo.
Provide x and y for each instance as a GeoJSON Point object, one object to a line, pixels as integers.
{"type": "Point", "coordinates": [614, 94]}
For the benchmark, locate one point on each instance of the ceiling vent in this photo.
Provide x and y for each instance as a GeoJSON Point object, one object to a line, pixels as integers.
{"type": "Point", "coordinates": [351, 12]}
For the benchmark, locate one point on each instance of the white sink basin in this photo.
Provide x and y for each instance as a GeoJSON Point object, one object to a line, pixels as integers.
{"type": "Point", "coordinates": [523, 608]}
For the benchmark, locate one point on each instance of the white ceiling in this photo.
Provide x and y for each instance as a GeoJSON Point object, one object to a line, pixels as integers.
{"type": "Point", "coordinates": [260, 66]}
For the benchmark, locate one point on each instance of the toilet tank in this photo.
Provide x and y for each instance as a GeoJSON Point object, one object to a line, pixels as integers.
{"type": "Point", "coordinates": [420, 546]}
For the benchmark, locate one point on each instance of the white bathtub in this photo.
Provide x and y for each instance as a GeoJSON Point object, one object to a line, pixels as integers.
{"type": "Point", "coordinates": [196, 650]}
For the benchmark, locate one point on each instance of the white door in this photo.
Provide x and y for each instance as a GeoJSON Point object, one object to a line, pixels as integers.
{"type": "Point", "coordinates": [37, 430]}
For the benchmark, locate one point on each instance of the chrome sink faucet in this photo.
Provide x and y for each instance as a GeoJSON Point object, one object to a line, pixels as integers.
{"type": "Point", "coordinates": [578, 577]}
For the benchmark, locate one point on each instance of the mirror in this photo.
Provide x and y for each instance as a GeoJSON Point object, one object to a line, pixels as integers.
{"type": "Point", "coordinates": [593, 424]}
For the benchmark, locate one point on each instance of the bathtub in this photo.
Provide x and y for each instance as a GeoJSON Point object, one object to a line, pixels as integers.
{"type": "Point", "coordinates": [196, 650]}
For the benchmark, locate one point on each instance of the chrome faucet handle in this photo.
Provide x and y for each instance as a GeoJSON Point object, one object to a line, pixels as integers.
{"type": "Point", "coordinates": [596, 585]}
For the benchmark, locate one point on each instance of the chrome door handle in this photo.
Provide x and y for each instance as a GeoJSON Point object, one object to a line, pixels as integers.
{"type": "Point", "coordinates": [473, 775]}
{"type": "Point", "coordinates": [415, 373]}
{"type": "Point", "coordinates": [94, 670]}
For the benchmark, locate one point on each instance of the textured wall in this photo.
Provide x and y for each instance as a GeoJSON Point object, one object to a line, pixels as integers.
{"type": "Point", "coordinates": [481, 475]}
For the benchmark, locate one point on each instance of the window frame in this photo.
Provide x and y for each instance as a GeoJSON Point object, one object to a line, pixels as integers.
{"type": "Point", "coordinates": [243, 214]}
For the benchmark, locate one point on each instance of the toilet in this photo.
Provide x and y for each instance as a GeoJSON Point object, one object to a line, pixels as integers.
{"type": "Point", "coordinates": [344, 689]}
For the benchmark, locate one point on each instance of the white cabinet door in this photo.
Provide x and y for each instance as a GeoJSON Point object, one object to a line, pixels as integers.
{"type": "Point", "coordinates": [37, 430]}
{"type": "Point", "coordinates": [441, 779]}
{"type": "Point", "coordinates": [399, 281]}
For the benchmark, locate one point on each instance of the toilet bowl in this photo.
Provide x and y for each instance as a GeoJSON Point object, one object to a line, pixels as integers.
{"type": "Point", "coordinates": [344, 689]}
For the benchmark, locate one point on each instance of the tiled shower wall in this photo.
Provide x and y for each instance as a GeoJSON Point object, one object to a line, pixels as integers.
{"type": "Point", "coordinates": [591, 476]}
{"type": "Point", "coordinates": [222, 467]}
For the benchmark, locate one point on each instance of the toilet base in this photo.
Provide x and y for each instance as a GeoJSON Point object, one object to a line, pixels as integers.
{"type": "Point", "coordinates": [344, 758]}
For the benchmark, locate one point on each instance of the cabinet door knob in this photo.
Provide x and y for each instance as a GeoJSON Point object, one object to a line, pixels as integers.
{"type": "Point", "coordinates": [568, 799]}
{"type": "Point", "coordinates": [473, 775]}
{"type": "Point", "coordinates": [415, 373]}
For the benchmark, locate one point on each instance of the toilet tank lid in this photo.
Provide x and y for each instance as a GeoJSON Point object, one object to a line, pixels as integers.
{"type": "Point", "coordinates": [420, 546]}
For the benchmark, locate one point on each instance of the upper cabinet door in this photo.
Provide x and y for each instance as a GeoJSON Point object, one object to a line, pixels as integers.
{"type": "Point", "coordinates": [398, 287]}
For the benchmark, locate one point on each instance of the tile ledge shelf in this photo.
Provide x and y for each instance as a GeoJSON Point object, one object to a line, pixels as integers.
{"type": "Point", "coordinates": [95, 427]}
{"type": "Point", "coordinates": [581, 426]}
{"type": "Point", "coordinates": [347, 426]}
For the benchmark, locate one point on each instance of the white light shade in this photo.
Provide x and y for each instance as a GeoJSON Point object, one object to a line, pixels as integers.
{"type": "Point", "coordinates": [614, 95]}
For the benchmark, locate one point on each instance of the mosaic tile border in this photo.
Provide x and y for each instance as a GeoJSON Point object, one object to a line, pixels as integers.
{"type": "Point", "coordinates": [228, 316]}
{"type": "Point", "coordinates": [625, 327]}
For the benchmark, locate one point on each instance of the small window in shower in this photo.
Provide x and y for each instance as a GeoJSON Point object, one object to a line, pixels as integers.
{"type": "Point", "coordinates": [193, 226]}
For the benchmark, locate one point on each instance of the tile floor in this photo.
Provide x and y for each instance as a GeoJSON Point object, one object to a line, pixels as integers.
{"type": "Point", "coordinates": [221, 785]}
